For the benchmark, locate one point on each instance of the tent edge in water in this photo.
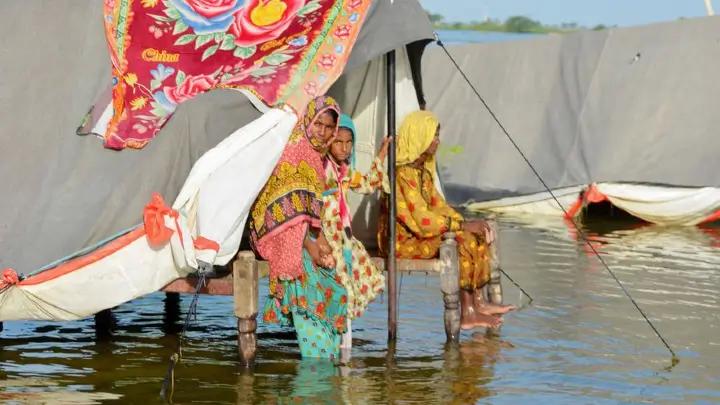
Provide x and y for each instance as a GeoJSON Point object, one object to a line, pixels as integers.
{"type": "Point", "coordinates": [661, 205]}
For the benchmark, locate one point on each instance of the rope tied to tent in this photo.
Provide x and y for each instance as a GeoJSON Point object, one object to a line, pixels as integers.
{"type": "Point", "coordinates": [9, 278]}
{"type": "Point", "coordinates": [168, 385]}
{"type": "Point", "coordinates": [675, 360]}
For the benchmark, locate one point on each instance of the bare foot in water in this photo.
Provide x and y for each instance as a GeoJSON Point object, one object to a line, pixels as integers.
{"type": "Point", "coordinates": [488, 321]}
{"type": "Point", "coordinates": [468, 319]}
{"type": "Point", "coordinates": [475, 320]}
{"type": "Point", "coordinates": [492, 309]}
{"type": "Point", "coordinates": [467, 324]}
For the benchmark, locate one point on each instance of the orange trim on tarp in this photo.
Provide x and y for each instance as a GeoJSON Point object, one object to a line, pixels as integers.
{"type": "Point", "coordinates": [85, 260]}
{"type": "Point", "coordinates": [591, 195]}
{"type": "Point", "coordinates": [575, 208]}
{"type": "Point", "coordinates": [154, 219]}
{"type": "Point", "coordinates": [202, 243]}
{"type": "Point", "coordinates": [9, 277]}
{"type": "Point", "coordinates": [712, 217]}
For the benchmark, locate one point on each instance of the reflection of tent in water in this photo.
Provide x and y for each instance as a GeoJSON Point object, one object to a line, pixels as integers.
{"type": "Point", "coordinates": [625, 109]}
{"type": "Point", "coordinates": [65, 193]}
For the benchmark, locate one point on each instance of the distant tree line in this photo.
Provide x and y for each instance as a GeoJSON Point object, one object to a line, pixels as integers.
{"type": "Point", "coordinates": [518, 23]}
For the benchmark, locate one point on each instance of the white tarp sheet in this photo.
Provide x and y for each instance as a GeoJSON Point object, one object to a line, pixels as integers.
{"type": "Point", "coordinates": [655, 204]}
{"type": "Point", "coordinates": [214, 202]}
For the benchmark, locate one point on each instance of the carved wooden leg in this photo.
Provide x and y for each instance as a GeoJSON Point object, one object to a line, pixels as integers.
{"type": "Point", "coordinates": [245, 292]}
{"type": "Point", "coordinates": [450, 286]}
{"type": "Point", "coordinates": [494, 287]}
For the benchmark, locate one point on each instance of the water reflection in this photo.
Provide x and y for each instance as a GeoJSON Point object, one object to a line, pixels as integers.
{"type": "Point", "coordinates": [468, 368]}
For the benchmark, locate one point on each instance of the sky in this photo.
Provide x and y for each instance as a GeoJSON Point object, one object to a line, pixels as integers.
{"type": "Point", "coordinates": [584, 12]}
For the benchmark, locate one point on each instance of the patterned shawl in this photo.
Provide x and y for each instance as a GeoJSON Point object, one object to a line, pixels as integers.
{"type": "Point", "coordinates": [291, 201]}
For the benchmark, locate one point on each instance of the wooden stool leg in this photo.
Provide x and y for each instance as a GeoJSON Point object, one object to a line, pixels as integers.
{"type": "Point", "coordinates": [450, 286]}
{"type": "Point", "coordinates": [494, 287]}
{"type": "Point", "coordinates": [245, 292]}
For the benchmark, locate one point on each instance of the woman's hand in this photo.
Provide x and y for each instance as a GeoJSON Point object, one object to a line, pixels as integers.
{"type": "Point", "coordinates": [326, 258]}
{"type": "Point", "coordinates": [384, 148]}
{"type": "Point", "coordinates": [327, 261]}
{"type": "Point", "coordinates": [320, 252]}
{"type": "Point", "coordinates": [313, 249]}
{"type": "Point", "coordinates": [323, 244]}
{"type": "Point", "coordinates": [481, 228]}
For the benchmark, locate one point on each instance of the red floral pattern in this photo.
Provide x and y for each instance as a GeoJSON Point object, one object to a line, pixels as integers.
{"type": "Point", "coordinates": [190, 87]}
{"type": "Point", "coordinates": [167, 52]}
{"type": "Point", "coordinates": [211, 8]}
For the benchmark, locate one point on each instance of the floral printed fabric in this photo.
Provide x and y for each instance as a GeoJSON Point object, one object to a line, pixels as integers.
{"type": "Point", "coordinates": [361, 278]}
{"type": "Point", "coordinates": [315, 303]}
{"type": "Point", "coordinates": [165, 52]}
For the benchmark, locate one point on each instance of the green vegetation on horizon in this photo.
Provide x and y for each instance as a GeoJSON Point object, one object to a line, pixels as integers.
{"type": "Point", "coordinates": [519, 24]}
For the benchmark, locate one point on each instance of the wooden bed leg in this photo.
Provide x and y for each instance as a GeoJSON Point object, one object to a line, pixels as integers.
{"type": "Point", "coordinates": [494, 287]}
{"type": "Point", "coordinates": [245, 293]}
{"type": "Point", "coordinates": [105, 323]}
{"type": "Point", "coordinates": [450, 286]}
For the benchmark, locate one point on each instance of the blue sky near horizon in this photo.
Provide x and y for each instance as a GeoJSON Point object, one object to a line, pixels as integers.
{"type": "Point", "coordinates": [584, 12]}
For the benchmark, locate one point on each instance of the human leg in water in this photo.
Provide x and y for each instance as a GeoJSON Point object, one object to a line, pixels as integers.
{"type": "Point", "coordinates": [481, 306]}
{"type": "Point", "coordinates": [315, 339]}
{"type": "Point", "coordinates": [469, 318]}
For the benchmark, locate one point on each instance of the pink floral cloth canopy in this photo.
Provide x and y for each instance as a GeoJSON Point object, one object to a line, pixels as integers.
{"type": "Point", "coordinates": [165, 52]}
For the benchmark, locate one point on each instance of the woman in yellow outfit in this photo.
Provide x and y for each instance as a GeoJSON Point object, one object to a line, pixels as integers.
{"type": "Point", "coordinates": [423, 216]}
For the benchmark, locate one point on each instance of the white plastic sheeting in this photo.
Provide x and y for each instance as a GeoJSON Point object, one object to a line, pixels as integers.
{"type": "Point", "coordinates": [223, 184]}
{"type": "Point", "coordinates": [664, 205]}
{"type": "Point", "coordinates": [656, 204]}
{"type": "Point", "coordinates": [214, 202]}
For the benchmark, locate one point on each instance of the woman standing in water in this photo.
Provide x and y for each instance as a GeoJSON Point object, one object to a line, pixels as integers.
{"type": "Point", "coordinates": [423, 216]}
{"type": "Point", "coordinates": [286, 231]}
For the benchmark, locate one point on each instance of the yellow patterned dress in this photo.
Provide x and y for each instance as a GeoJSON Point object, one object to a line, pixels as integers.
{"type": "Point", "coordinates": [423, 216]}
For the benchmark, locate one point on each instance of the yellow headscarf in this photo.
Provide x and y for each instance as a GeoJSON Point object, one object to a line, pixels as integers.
{"type": "Point", "coordinates": [414, 138]}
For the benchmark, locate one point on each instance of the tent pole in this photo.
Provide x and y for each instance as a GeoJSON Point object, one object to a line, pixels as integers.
{"type": "Point", "coordinates": [391, 268]}
{"type": "Point", "coordinates": [709, 7]}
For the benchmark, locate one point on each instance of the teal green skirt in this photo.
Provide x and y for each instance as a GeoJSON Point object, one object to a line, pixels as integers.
{"type": "Point", "coordinates": [315, 304]}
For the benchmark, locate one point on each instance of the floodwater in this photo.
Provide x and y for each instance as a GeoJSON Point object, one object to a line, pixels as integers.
{"type": "Point", "coordinates": [469, 37]}
{"type": "Point", "coordinates": [580, 341]}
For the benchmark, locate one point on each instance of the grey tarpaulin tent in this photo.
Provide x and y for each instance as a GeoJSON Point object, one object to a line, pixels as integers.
{"type": "Point", "coordinates": [62, 192]}
{"type": "Point", "coordinates": [622, 105]}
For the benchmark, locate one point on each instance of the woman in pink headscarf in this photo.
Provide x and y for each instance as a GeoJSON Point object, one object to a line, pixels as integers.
{"type": "Point", "coordinates": [286, 231]}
